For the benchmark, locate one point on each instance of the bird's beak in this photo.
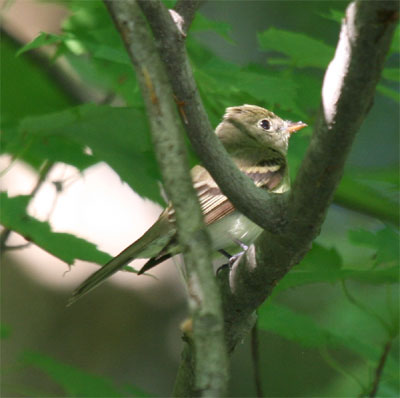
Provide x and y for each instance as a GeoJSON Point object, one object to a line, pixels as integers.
{"type": "Point", "coordinates": [295, 126]}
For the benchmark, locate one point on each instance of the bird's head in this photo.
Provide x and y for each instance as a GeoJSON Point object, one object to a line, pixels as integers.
{"type": "Point", "coordinates": [249, 127]}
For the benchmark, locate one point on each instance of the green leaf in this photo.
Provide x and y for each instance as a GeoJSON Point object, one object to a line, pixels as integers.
{"type": "Point", "coordinates": [358, 196]}
{"type": "Point", "coordinates": [26, 87]}
{"type": "Point", "coordinates": [319, 265]}
{"type": "Point", "coordinates": [323, 265]}
{"type": "Point", "coordinates": [388, 92]}
{"type": "Point", "coordinates": [66, 247]}
{"type": "Point", "coordinates": [387, 175]}
{"type": "Point", "coordinates": [333, 15]}
{"type": "Point", "coordinates": [202, 23]}
{"type": "Point", "coordinates": [111, 77]}
{"type": "Point", "coordinates": [305, 331]}
{"type": "Point", "coordinates": [392, 74]}
{"type": "Point", "coordinates": [96, 52]}
{"type": "Point", "coordinates": [34, 149]}
{"type": "Point", "coordinates": [301, 50]}
{"type": "Point", "coordinates": [118, 136]}
{"type": "Point", "coordinates": [322, 257]}
{"type": "Point", "coordinates": [300, 277]}
{"type": "Point", "coordinates": [43, 39]}
{"type": "Point", "coordinates": [133, 391]}
{"type": "Point", "coordinates": [5, 331]}
{"type": "Point", "coordinates": [223, 83]}
{"type": "Point", "coordinates": [75, 382]}
{"type": "Point", "coordinates": [385, 241]}
{"type": "Point", "coordinates": [395, 46]}
{"type": "Point", "coordinates": [273, 88]}
{"type": "Point", "coordinates": [293, 326]}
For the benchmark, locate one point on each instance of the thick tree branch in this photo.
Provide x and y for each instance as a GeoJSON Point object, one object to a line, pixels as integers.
{"type": "Point", "coordinates": [187, 10]}
{"type": "Point", "coordinates": [348, 92]}
{"type": "Point", "coordinates": [205, 304]}
{"type": "Point", "coordinates": [347, 96]}
{"type": "Point", "coordinates": [261, 207]}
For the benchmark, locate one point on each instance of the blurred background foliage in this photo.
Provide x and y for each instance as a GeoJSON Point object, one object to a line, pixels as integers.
{"type": "Point", "coordinates": [324, 331]}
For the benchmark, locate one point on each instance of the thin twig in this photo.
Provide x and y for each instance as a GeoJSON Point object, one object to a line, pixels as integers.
{"type": "Point", "coordinates": [43, 173]}
{"type": "Point", "coordinates": [379, 368]}
{"type": "Point", "coordinates": [334, 364]}
{"type": "Point", "coordinates": [365, 309]}
{"type": "Point", "coordinates": [18, 247]}
{"type": "Point", "coordinates": [255, 355]}
{"type": "Point", "coordinates": [5, 234]}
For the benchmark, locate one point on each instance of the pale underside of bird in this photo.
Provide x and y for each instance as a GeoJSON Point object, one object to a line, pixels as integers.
{"type": "Point", "coordinates": [257, 141]}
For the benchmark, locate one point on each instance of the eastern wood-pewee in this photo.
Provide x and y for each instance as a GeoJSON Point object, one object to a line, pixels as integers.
{"type": "Point", "coordinates": [257, 140]}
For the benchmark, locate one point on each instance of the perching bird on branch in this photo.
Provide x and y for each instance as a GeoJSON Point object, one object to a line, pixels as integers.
{"type": "Point", "coordinates": [257, 141]}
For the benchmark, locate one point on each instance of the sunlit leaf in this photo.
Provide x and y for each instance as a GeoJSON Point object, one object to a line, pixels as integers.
{"type": "Point", "coordinates": [43, 39]}
{"type": "Point", "coordinates": [34, 149]}
{"type": "Point", "coordinates": [118, 136]}
{"type": "Point", "coordinates": [66, 247]}
{"type": "Point", "coordinates": [97, 52]}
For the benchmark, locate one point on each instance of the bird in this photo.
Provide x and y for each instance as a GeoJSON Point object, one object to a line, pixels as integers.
{"type": "Point", "coordinates": [257, 140]}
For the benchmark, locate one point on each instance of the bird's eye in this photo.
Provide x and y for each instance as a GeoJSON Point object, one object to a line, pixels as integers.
{"type": "Point", "coordinates": [265, 124]}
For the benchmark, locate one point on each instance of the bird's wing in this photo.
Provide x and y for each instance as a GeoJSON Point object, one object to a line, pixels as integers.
{"type": "Point", "coordinates": [215, 205]}
{"type": "Point", "coordinates": [159, 241]}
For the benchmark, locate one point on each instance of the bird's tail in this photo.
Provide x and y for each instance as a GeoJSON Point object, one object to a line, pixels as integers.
{"type": "Point", "coordinates": [148, 245]}
{"type": "Point", "coordinates": [94, 280]}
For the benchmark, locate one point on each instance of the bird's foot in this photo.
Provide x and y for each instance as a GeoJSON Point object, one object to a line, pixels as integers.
{"type": "Point", "coordinates": [231, 259]}
{"type": "Point", "coordinates": [241, 244]}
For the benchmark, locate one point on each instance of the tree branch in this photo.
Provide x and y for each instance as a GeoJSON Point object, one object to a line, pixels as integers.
{"type": "Point", "coordinates": [263, 208]}
{"type": "Point", "coordinates": [5, 234]}
{"type": "Point", "coordinates": [347, 96]}
{"type": "Point", "coordinates": [255, 356]}
{"type": "Point", "coordinates": [379, 368]}
{"type": "Point", "coordinates": [348, 91]}
{"type": "Point", "coordinates": [211, 363]}
{"type": "Point", "coordinates": [187, 10]}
